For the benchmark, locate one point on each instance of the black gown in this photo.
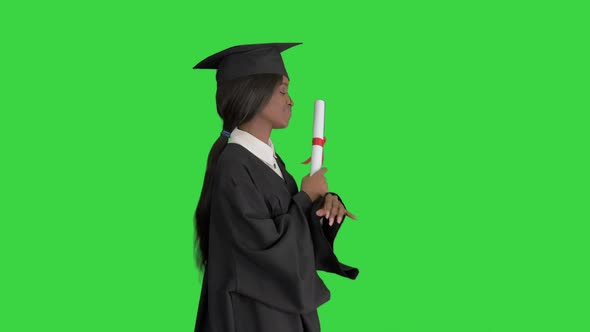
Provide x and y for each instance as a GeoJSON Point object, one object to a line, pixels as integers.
{"type": "Point", "coordinates": [265, 245]}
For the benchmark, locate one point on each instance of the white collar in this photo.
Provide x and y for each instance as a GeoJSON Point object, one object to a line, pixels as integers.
{"type": "Point", "coordinates": [265, 152]}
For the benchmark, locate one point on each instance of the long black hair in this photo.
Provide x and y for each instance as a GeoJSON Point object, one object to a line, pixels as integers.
{"type": "Point", "coordinates": [238, 101]}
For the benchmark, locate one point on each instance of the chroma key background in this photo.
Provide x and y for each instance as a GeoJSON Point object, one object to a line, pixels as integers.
{"type": "Point", "coordinates": [456, 131]}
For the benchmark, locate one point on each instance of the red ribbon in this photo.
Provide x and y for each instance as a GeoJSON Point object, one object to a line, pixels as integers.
{"type": "Point", "coordinates": [319, 142]}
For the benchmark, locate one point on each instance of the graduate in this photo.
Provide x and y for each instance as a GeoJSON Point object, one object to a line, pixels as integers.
{"type": "Point", "coordinates": [259, 238]}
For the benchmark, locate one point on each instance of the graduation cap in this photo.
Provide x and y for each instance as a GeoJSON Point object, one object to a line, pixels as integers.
{"type": "Point", "coordinates": [244, 60]}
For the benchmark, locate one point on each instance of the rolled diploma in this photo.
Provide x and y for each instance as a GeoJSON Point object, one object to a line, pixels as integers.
{"type": "Point", "coordinates": [318, 131]}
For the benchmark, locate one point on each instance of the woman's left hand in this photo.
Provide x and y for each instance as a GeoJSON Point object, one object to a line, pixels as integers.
{"type": "Point", "coordinates": [333, 209]}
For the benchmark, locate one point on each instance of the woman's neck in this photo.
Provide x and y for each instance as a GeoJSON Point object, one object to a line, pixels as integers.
{"type": "Point", "coordinates": [257, 129]}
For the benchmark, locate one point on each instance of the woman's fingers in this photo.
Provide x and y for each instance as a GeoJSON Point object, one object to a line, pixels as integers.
{"type": "Point", "coordinates": [325, 210]}
{"type": "Point", "coordinates": [334, 213]}
{"type": "Point", "coordinates": [344, 212]}
{"type": "Point", "coordinates": [351, 215]}
{"type": "Point", "coordinates": [333, 210]}
{"type": "Point", "coordinates": [328, 205]}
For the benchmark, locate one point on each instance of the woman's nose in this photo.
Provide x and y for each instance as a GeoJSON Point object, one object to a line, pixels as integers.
{"type": "Point", "coordinates": [291, 102]}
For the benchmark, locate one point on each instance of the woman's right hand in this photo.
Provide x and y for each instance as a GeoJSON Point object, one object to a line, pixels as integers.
{"type": "Point", "coordinates": [315, 186]}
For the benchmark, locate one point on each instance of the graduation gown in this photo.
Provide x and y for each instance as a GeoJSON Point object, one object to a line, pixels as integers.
{"type": "Point", "coordinates": [265, 247]}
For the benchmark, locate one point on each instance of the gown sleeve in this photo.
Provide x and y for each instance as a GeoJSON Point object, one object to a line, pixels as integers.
{"type": "Point", "coordinates": [272, 251]}
{"type": "Point", "coordinates": [323, 236]}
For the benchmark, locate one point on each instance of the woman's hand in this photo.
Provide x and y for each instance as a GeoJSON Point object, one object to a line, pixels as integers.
{"type": "Point", "coordinates": [315, 186]}
{"type": "Point", "coordinates": [333, 209]}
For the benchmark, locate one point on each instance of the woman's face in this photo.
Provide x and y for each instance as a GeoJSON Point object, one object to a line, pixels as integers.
{"type": "Point", "coordinates": [278, 109]}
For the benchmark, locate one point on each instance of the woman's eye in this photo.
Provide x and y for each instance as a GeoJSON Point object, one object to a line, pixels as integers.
{"type": "Point", "coordinates": [283, 93]}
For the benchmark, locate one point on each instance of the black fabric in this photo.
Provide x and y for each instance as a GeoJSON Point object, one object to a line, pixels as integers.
{"type": "Point", "coordinates": [245, 60]}
{"type": "Point", "coordinates": [323, 236]}
{"type": "Point", "coordinates": [265, 247]}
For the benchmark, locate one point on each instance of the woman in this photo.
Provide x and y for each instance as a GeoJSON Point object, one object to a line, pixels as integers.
{"type": "Point", "coordinates": [260, 238]}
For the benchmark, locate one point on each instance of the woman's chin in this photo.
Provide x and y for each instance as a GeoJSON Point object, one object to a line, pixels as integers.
{"type": "Point", "coordinates": [280, 126]}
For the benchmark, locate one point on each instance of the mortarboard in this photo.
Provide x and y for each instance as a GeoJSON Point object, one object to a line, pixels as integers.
{"type": "Point", "coordinates": [244, 60]}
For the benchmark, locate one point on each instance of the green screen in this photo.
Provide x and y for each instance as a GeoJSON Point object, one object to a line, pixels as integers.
{"type": "Point", "coordinates": [457, 132]}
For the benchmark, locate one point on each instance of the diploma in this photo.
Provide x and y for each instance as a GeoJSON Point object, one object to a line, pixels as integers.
{"type": "Point", "coordinates": [317, 148]}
